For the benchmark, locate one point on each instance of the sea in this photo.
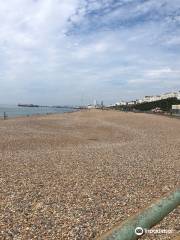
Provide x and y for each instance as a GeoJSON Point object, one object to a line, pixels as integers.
{"type": "Point", "coordinates": [16, 111]}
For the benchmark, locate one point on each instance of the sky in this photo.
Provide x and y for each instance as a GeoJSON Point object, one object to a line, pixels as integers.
{"type": "Point", "coordinates": [74, 51]}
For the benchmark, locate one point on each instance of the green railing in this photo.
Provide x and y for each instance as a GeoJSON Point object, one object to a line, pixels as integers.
{"type": "Point", "coordinates": [135, 227]}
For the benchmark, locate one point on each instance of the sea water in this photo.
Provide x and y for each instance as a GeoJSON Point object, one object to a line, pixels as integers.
{"type": "Point", "coordinates": [15, 111]}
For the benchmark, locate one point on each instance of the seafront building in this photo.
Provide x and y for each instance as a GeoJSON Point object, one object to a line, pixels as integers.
{"type": "Point", "coordinates": [96, 105]}
{"type": "Point", "coordinates": [131, 103]}
{"type": "Point", "coordinates": [121, 103]}
{"type": "Point", "coordinates": [176, 110]}
{"type": "Point", "coordinates": [161, 97]}
{"type": "Point", "coordinates": [150, 99]}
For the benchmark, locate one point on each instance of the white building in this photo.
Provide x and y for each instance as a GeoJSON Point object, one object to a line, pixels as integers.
{"type": "Point", "coordinates": [150, 99]}
{"type": "Point", "coordinates": [176, 110]}
{"type": "Point", "coordinates": [131, 103]}
{"type": "Point", "coordinates": [156, 98]}
{"type": "Point", "coordinates": [160, 97]}
{"type": "Point", "coordinates": [95, 103]}
{"type": "Point", "coordinates": [90, 106]}
{"type": "Point", "coordinates": [147, 99]}
{"type": "Point", "coordinates": [123, 103]}
{"type": "Point", "coordinates": [139, 101]}
{"type": "Point", "coordinates": [178, 95]}
{"type": "Point", "coordinates": [169, 95]}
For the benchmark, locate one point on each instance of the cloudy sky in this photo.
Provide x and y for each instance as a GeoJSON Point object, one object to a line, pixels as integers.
{"type": "Point", "coordinates": [74, 51]}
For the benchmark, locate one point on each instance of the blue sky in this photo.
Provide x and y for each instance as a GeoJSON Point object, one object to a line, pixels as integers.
{"type": "Point", "coordinates": [63, 51]}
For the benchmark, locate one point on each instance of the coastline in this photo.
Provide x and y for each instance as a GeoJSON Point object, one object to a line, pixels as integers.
{"type": "Point", "coordinates": [37, 114]}
{"type": "Point", "coordinates": [88, 110]}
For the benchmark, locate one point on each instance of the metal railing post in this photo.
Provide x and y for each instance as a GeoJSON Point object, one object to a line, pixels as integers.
{"type": "Point", "coordinates": [144, 220]}
{"type": "Point", "coordinates": [5, 116]}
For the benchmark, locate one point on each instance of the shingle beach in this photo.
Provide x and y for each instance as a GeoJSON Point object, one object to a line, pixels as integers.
{"type": "Point", "coordinates": [75, 175]}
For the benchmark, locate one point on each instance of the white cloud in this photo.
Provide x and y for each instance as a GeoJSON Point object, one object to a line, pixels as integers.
{"type": "Point", "coordinates": [47, 57]}
{"type": "Point", "coordinates": [163, 72]}
{"type": "Point", "coordinates": [173, 40]}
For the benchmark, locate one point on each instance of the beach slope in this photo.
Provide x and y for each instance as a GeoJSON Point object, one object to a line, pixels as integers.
{"type": "Point", "coordinates": [75, 175]}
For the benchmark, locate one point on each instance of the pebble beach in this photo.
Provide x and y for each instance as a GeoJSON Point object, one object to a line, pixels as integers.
{"type": "Point", "coordinates": [73, 176]}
